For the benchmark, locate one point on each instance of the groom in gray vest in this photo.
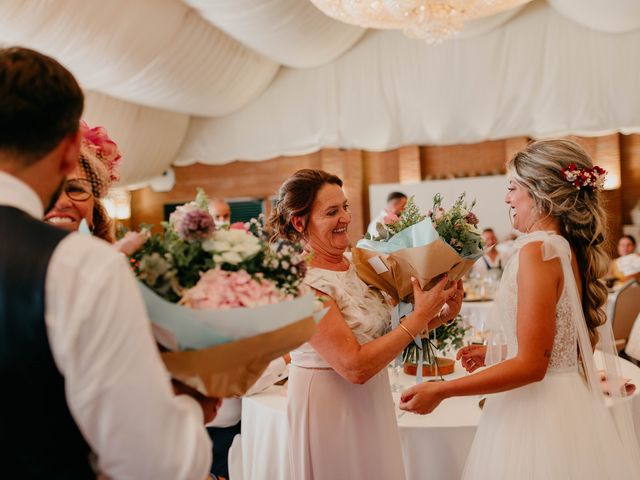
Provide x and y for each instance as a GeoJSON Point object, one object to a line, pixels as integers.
{"type": "Point", "coordinates": [83, 387]}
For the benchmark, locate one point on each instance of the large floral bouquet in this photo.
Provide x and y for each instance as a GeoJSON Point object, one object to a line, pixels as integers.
{"type": "Point", "coordinates": [226, 300]}
{"type": "Point", "coordinates": [420, 246]}
{"type": "Point", "coordinates": [195, 264]}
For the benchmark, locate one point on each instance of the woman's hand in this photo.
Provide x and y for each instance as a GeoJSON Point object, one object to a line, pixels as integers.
{"type": "Point", "coordinates": [453, 304]}
{"type": "Point", "coordinates": [131, 242]}
{"type": "Point", "coordinates": [422, 398]}
{"type": "Point", "coordinates": [209, 405]}
{"type": "Point", "coordinates": [429, 304]}
{"type": "Point", "coordinates": [472, 357]}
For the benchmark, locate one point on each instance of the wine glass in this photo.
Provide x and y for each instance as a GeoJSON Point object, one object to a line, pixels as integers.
{"type": "Point", "coordinates": [394, 369]}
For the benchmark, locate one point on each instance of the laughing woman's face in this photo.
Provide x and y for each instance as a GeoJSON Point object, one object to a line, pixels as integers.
{"type": "Point", "coordinates": [74, 204]}
{"type": "Point", "coordinates": [523, 208]}
{"type": "Point", "coordinates": [329, 221]}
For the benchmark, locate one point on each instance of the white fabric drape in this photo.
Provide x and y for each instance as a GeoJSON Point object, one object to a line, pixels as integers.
{"type": "Point", "coordinates": [550, 67]}
{"type": "Point", "coordinates": [160, 54]}
{"type": "Point", "coordinates": [610, 16]}
{"type": "Point", "coordinates": [148, 138]}
{"type": "Point", "coordinates": [291, 32]}
{"type": "Point", "coordinates": [539, 74]}
{"type": "Point", "coordinates": [481, 26]}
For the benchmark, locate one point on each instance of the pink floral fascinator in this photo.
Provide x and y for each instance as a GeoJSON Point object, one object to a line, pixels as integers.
{"type": "Point", "coordinates": [99, 158]}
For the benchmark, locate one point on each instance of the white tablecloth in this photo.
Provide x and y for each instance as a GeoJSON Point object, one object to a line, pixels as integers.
{"type": "Point", "coordinates": [633, 345]}
{"type": "Point", "coordinates": [435, 446]}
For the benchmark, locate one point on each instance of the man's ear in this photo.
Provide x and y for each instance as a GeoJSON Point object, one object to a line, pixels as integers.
{"type": "Point", "coordinates": [298, 223]}
{"type": "Point", "coordinates": [70, 153]}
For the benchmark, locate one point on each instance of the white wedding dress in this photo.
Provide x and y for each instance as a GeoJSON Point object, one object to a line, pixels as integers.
{"type": "Point", "coordinates": [558, 428]}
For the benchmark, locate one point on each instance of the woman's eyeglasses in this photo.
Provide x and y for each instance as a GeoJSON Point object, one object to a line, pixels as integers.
{"type": "Point", "coordinates": [78, 189]}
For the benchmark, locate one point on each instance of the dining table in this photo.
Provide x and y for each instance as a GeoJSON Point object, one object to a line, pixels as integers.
{"type": "Point", "coordinates": [434, 446]}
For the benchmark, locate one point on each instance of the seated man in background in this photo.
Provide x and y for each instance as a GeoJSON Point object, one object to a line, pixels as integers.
{"type": "Point", "coordinates": [396, 201]}
{"type": "Point", "coordinates": [220, 211]}
{"type": "Point", "coordinates": [492, 259]}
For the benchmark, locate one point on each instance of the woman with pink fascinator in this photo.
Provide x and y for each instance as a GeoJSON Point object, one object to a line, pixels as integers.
{"type": "Point", "coordinates": [82, 194]}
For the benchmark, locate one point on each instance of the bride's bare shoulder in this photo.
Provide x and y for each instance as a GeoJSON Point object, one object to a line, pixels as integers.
{"type": "Point", "coordinates": [532, 263]}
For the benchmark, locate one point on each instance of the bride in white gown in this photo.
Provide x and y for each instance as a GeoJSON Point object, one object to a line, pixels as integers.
{"type": "Point", "coordinates": [546, 416]}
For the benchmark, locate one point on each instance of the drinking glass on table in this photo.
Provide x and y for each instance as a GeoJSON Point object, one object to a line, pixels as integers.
{"type": "Point", "coordinates": [394, 369]}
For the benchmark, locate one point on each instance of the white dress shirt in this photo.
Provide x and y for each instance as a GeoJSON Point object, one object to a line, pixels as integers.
{"type": "Point", "coordinates": [371, 229]}
{"type": "Point", "coordinates": [116, 386]}
{"type": "Point", "coordinates": [484, 264]}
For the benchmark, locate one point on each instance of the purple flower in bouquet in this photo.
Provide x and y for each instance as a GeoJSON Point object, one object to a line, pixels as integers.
{"type": "Point", "coordinates": [220, 289]}
{"type": "Point", "coordinates": [471, 218]}
{"type": "Point", "coordinates": [192, 223]}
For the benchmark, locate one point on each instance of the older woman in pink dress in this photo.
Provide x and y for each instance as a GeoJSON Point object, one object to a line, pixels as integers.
{"type": "Point", "coordinates": [341, 415]}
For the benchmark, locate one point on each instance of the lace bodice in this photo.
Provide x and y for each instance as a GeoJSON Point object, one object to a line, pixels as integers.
{"type": "Point", "coordinates": [363, 308]}
{"type": "Point", "coordinates": [564, 354]}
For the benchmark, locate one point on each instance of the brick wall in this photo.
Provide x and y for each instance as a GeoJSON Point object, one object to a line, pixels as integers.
{"type": "Point", "coordinates": [409, 164]}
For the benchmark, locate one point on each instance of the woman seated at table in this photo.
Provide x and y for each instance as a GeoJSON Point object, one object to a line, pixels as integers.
{"type": "Point", "coordinates": [341, 415]}
{"type": "Point", "coordinates": [626, 246]}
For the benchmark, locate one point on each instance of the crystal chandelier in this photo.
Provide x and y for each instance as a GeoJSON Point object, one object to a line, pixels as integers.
{"type": "Point", "coordinates": [430, 20]}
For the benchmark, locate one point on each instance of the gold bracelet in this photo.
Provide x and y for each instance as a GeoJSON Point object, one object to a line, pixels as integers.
{"type": "Point", "coordinates": [412, 337]}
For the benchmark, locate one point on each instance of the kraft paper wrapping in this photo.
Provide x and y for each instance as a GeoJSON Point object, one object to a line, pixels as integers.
{"type": "Point", "coordinates": [230, 369]}
{"type": "Point", "coordinates": [425, 263]}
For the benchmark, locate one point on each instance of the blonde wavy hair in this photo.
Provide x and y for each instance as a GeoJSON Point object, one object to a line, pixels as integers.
{"type": "Point", "coordinates": [578, 211]}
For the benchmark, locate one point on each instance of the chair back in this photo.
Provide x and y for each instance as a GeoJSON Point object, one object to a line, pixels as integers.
{"type": "Point", "coordinates": [625, 311]}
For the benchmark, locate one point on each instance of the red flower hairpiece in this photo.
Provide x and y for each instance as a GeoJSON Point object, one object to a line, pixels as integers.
{"type": "Point", "coordinates": [592, 178]}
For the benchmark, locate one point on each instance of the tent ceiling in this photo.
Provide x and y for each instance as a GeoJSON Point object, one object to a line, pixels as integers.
{"type": "Point", "coordinates": [178, 81]}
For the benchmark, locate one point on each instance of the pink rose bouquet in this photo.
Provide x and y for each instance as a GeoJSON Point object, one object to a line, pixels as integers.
{"type": "Point", "coordinates": [218, 289]}
{"type": "Point", "coordinates": [225, 300]}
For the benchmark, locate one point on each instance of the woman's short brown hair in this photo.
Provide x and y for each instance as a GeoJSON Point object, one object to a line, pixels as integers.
{"type": "Point", "coordinates": [295, 199]}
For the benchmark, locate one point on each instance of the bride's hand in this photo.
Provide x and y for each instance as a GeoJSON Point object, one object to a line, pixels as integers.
{"type": "Point", "coordinates": [422, 398]}
{"type": "Point", "coordinates": [472, 357]}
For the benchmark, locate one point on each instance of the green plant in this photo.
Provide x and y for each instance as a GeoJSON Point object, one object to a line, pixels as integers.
{"type": "Point", "coordinates": [393, 224]}
{"type": "Point", "coordinates": [458, 226]}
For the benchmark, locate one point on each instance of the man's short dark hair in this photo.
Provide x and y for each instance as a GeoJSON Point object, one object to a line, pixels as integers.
{"type": "Point", "coordinates": [40, 104]}
{"type": "Point", "coordinates": [487, 230]}
{"type": "Point", "coordinates": [395, 196]}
